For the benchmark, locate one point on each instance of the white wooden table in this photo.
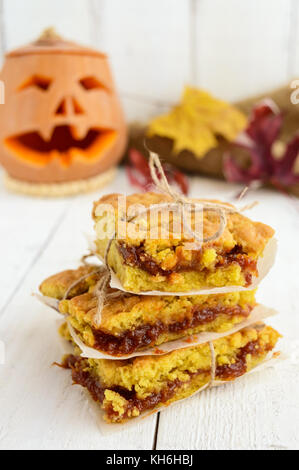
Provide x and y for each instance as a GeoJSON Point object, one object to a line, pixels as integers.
{"type": "Point", "coordinates": [39, 407]}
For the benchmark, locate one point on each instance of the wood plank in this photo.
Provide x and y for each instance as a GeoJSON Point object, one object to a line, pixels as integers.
{"type": "Point", "coordinates": [293, 41]}
{"type": "Point", "coordinates": [28, 222]}
{"type": "Point", "coordinates": [40, 408]}
{"type": "Point", "coordinates": [148, 43]}
{"type": "Point", "coordinates": [26, 225]}
{"type": "Point", "coordinates": [242, 47]}
{"type": "Point", "coordinates": [24, 21]}
{"type": "Point", "coordinates": [260, 411]}
{"type": "Point", "coordinates": [2, 33]}
{"type": "Point", "coordinates": [139, 109]}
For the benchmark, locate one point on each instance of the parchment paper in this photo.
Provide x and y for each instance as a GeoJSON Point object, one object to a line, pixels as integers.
{"type": "Point", "coordinates": [259, 313]}
{"type": "Point", "coordinates": [272, 360]}
{"type": "Point", "coordinates": [264, 265]}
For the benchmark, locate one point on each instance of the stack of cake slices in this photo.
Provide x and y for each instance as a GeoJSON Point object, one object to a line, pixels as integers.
{"type": "Point", "coordinates": [176, 318]}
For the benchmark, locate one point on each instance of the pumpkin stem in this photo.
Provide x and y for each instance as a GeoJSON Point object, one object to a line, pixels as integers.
{"type": "Point", "coordinates": [48, 35]}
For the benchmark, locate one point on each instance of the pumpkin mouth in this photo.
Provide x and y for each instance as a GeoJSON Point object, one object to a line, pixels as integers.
{"type": "Point", "coordinates": [63, 144]}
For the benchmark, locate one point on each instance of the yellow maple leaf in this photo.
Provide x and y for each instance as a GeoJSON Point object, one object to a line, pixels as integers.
{"type": "Point", "coordinates": [197, 121]}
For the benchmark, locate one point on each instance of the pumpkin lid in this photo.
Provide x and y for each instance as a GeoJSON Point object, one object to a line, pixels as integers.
{"type": "Point", "coordinates": [52, 43]}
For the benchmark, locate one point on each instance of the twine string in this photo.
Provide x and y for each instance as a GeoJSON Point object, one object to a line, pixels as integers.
{"type": "Point", "coordinates": [78, 281]}
{"type": "Point", "coordinates": [101, 286]}
{"type": "Point", "coordinates": [86, 257]}
{"type": "Point", "coordinates": [161, 182]}
{"type": "Point", "coordinates": [101, 294]}
{"type": "Point", "coordinates": [180, 204]}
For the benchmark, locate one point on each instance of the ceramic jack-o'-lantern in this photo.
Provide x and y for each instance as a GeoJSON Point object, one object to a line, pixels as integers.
{"type": "Point", "coordinates": [62, 128]}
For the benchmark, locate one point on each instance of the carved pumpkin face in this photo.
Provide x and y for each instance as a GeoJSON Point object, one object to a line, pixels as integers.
{"type": "Point", "coordinates": [62, 120]}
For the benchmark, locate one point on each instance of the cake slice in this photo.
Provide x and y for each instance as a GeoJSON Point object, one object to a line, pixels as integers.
{"type": "Point", "coordinates": [131, 323]}
{"type": "Point", "coordinates": [126, 389]}
{"type": "Point", "coordinates": [60, 285]}
{"type": "Point", "coordinates": [144, 259]}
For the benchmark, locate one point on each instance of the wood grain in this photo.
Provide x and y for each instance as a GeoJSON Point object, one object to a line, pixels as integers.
{"type": "Point", "coordinates": [260, 411]}
{"type": "Point", "coordinates": [24, 21]}
{"type": "Point", "coordinates": [26, 228]}
{"type": "Point", "coordinates": [149, 45]}
{"type": "Point", "coordinates": [156, 47]}
{"type": "Point", "coordinates": [243, 47]}
{"type": "Point", "coordinates": [2, 32]}
{"type": "Point", "coordinates": [234, 50]}
{"type": "Point", "coordinates": [40, 409]}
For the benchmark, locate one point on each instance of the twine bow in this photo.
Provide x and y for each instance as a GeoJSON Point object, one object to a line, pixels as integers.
{"type": "Point", "coordinates": [181, 201]}
{"type": "Point", "coordinates": [101, 287]}
{"type": "Point", "coordinates": [180, 204]}
{"type": "Point", "coordinates": [160, 180]}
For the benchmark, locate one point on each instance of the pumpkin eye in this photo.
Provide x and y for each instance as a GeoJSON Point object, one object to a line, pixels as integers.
{"type": "Point", "coordinates": [92, 83]}
{"type": "Point", "coordinates": [43, 83]}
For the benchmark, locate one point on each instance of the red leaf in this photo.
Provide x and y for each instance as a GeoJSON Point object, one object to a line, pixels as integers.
{"type": "Point", "coordinates": [235, 173]}
{"type": "Point", "coordinates": [284, 170]}
{"type": "Point", "coordinates": [182, 181]}
{"type": "Point", "coordinates": [139, 162]}
{"type": "Point", "coordinates": [139, 174]}
{"type": "Point", "coordinates": [263, 130]}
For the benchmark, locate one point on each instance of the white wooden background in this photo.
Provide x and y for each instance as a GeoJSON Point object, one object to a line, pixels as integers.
{"type": "Point", "coordinates": [233, 48]}
{"type": "Point", "coordinates": [40, 409]}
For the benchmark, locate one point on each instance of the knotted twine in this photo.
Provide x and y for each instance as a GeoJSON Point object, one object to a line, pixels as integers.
{"type": "Point", "coordinates": [179, 204]}
{"type": "Point", "coordinates": [100, 290]}
{"type": "Point", "coordinates": [181, 201]}
{"type": "Point", "coordinates": [102, 296]}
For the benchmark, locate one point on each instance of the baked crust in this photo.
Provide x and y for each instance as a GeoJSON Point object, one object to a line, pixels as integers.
{"type": "Point", "coordinates": [132, 323]}
{"type": "Point", "coordinates": [240, 230]}
{"type": "Point", "coordinates": [136, 323]}
{"type": "Point", "coordinates": [144, 263]}
{"type": "Point", "coordinates": [125, 389]}
{"type": "Point", "coordinates": [56, 286]}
